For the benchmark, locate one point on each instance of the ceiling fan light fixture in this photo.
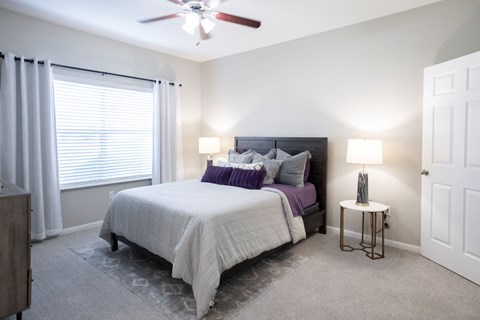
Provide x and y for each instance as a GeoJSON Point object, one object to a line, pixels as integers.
{"type": "Point", "coordinates": [192, 20]}
{"type": "Point", "coordinates": [207, 25]}
{"type": "Point", "coordinates": [188, 28]}
{"type": "Point", "coordinates": [199, 15]}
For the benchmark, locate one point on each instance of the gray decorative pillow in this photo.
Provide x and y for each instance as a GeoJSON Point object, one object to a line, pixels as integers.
{"type": "Point", "coordinates": [271, 165]}
{"type": "Point", "coordinates": [293, 168]}
{"type": "Point", "coordinates": [245, 166]}
{"type": "Point", "coordinates": [235, 157]}
{"type": "Point", "coordinates": [270, 154]}
{"type": "Point", "coordinates": [282, 155]}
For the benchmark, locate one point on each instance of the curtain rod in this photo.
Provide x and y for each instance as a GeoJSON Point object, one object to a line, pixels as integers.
{"type": "Point", "coordinates": [88, 70]}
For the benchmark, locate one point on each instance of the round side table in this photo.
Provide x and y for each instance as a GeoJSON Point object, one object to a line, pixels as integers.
{"type": "Point", "coordinates": [373, 209]}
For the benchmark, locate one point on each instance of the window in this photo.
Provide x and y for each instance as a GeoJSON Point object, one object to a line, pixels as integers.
{"type": "Point", "coordinates": [104, 132]}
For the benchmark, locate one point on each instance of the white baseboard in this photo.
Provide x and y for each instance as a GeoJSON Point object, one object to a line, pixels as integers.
{"type": "Point", "coordinates": [388, 242]}
{"type": "Point", "coordinates": [348, 233]}
{"type": "Point", "coordinates": [86, 226]}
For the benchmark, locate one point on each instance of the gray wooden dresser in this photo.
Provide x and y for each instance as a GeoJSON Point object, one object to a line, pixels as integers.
{"type": "Point", "coordinates": [15, 270]}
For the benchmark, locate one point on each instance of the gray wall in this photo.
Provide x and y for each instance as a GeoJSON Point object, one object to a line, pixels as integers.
{"type": "Point", "coordinates": [32, 37]}
{"type": "Point", "coordinates": [359, 81]}
{"type": "Point", "coordinates": [364, 80]}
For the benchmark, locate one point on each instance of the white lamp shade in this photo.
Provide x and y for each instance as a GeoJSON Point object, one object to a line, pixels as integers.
{"type": "Point", "coordinates": [365, 151]}
{"type": "Point", "coordinates": [208, 145]}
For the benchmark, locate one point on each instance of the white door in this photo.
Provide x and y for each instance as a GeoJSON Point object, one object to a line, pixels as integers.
{"type": "Point", "coordinates": [451, 154]}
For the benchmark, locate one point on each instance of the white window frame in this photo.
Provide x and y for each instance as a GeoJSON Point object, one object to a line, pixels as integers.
{"type": "Point", "coordinates": [87, 78]}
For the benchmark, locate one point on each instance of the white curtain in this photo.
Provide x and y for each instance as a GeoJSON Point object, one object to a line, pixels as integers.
{"type": "Point", "coordinates": [167, 163]}
{"type": "Point", "coordinates": [28, 143]}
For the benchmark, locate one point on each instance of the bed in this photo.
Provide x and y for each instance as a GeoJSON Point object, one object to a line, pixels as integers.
{"type": "Point", "coordinates": [315, 217]}
{"type": "Point", "coordinates": [206, 240]}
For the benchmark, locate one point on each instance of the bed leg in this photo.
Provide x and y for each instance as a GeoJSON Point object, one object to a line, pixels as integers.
{"type": "Point", "coordinates": [323, 229]}
{"type": "Point", "coordinates": [114, 242]}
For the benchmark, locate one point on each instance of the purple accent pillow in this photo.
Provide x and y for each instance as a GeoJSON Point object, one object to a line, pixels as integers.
{"type": "Point", "coordinates": [248, 179]}
{"type": "Point", "coordinates": [217, 175]}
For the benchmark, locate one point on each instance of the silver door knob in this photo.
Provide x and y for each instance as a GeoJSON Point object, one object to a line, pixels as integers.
{"type": "Point", "coordinates": [424, 172]}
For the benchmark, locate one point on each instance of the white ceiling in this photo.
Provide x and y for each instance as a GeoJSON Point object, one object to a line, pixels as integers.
{"type": "Point", "coordinates": [282, 20]}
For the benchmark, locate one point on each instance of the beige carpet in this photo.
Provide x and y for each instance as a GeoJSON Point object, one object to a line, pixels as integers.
{"type": "Point", "coordinates": [331, 285]}
{"type": "Point", "coordinates": [152, 281]}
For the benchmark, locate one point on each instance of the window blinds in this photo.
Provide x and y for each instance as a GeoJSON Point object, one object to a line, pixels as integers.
{"type": "Point", "coordinates": [104, 134]}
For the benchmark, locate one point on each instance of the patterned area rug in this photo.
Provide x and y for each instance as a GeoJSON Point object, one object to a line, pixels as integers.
{"type": "Point", "coordinates": [152, 281]}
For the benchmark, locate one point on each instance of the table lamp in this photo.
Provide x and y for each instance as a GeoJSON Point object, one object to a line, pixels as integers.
{"type": "Point", "coordinates": [364, 151]}
{"type": "Point", "coordinates": [209, 145]}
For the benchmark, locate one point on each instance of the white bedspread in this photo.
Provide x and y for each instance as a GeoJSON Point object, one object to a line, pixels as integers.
{"type": "Point", "coordinates": [203, 229]}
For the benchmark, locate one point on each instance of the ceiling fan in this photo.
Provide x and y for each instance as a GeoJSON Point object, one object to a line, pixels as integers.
{"type": "Point", "coordinates": [200, 14]}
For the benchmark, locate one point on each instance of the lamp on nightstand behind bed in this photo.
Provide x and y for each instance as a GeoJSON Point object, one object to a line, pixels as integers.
{"type": "Point", "coordinates": [209, 145]}
{"type": "Point", "coordinates": [364, 151]}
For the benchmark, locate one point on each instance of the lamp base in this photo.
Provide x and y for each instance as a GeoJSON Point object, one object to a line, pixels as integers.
{"type": "Point", "coordinates": [362, 189]}
{"type": "Point", "coordinates": [209, 163]}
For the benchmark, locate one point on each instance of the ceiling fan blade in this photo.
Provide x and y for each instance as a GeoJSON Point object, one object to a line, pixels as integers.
{"type": "Point", "coordinates": [170, 16]}
{"type": "Point", "coordinates": [213, 3]}
{"type": "Point", "coordinates": [177, 2]}
{"type": "Point", "coordinates": [203, 34]}
{"type": "Point", "coordinates": [236, 19]}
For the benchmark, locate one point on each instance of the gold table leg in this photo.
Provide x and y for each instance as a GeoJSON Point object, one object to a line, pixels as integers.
{"type": "Point", "coordinates": [368, 248]}
{"type": "Point", "coordinates": [342, 210]}
{"type": "Point", "coordinates": [383, 234]}
{"type": "Point", "coordinates": [363, 228]}
{"type": "Point", "coordinates": [373, 239]}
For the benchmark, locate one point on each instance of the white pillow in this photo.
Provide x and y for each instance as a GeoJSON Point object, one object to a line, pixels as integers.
{"type": "Point", "coordinates": [246, 166]}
